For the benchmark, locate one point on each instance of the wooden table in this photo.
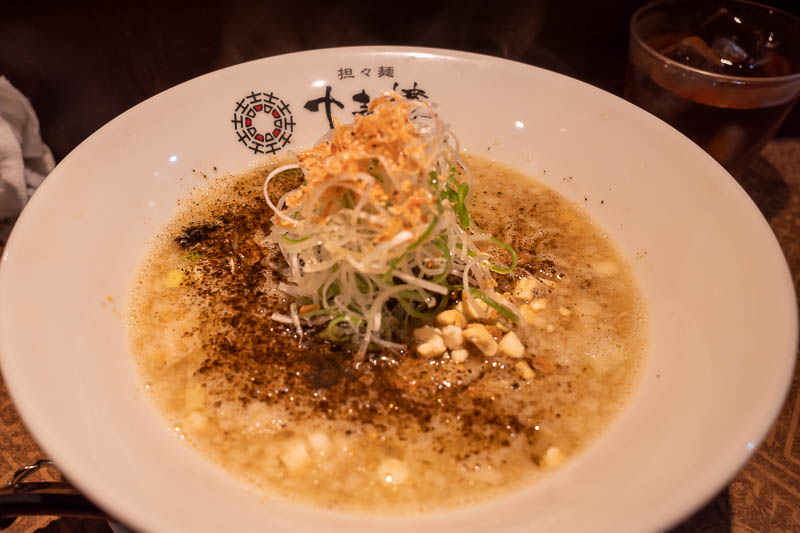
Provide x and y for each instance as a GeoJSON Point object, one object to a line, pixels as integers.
{"type": "Point", "coordinates": [763, 497]}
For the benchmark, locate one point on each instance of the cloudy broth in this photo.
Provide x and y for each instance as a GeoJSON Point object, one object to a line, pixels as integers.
{"type": "Point", "coordinates": [397, 432]}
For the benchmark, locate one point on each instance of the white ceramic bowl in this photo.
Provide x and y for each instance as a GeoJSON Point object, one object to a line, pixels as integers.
{"type": "Point", "coordinates": [724, 322]}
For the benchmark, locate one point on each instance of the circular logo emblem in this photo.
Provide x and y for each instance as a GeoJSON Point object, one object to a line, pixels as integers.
{"type": "Point", "coordinates": [263, 122]}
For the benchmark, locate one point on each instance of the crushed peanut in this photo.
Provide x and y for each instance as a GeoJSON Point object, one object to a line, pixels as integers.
{"type": "Point", "coordinates": [525, 370]}
{"type": "Point", "coordinates": [511, 346]}
{"type": "Point", "coordinates": [478, 335]}
{"type": "Point", "coordinates": [433, 347]}
{"type": "Point", "coordinates": [453, 337]}
{"type": "Point", "coordinates": [425, 333]}
{"type": "Point", "coordinates": [479, 311]}
{"type": "Point", "coordinates": [451, 317]}
{"type": "Point", "coordinates": [459, 356]}
{"type": "Point", "coordinates": [525, 287]}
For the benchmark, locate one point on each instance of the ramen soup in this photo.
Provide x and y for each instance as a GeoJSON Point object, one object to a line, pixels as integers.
{"type": "Point", "coordinates": [469, 409]}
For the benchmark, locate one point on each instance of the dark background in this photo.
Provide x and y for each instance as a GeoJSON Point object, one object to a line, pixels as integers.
{"type": "Point", "coordinates": [83, 64]}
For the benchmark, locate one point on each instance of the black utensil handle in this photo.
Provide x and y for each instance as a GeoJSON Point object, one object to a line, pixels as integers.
{"type": "Point", "coordinates": [32, 502]}
{"type": "Point", "coordinates": [48, 498]}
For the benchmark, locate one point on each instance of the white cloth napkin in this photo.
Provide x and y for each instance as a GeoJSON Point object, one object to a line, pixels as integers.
{"type": "Point", "coordinates": [24, 159]}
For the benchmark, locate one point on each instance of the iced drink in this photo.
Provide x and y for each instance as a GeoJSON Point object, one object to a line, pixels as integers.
{"type": "Point", "coordinates": [725, 74]}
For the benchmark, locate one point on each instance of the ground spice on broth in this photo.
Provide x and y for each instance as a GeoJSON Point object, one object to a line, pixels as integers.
{"type": "Point", "coordinates": [396, 431]}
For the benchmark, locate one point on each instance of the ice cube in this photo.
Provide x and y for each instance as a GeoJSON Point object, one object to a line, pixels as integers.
{"type": "Point", "coordinates": [742, 46]}
{"type": "Point", "coordinates": [695, 52]}
{"type": "Point", "coordinates": [733, 29]}
{"type": "Point", "coordinates": [728, 49]}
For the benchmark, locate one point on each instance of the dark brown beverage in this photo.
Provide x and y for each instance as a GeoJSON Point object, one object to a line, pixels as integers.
{"type": "Point", "coordinates": [726, 77]}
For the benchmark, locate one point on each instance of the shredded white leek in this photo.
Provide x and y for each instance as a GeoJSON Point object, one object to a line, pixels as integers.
{"type": "Point", "coordinates": [379, 229]}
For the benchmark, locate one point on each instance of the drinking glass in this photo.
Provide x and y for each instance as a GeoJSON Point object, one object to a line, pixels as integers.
{"type": "Point", "coordinates": [726, 73]}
